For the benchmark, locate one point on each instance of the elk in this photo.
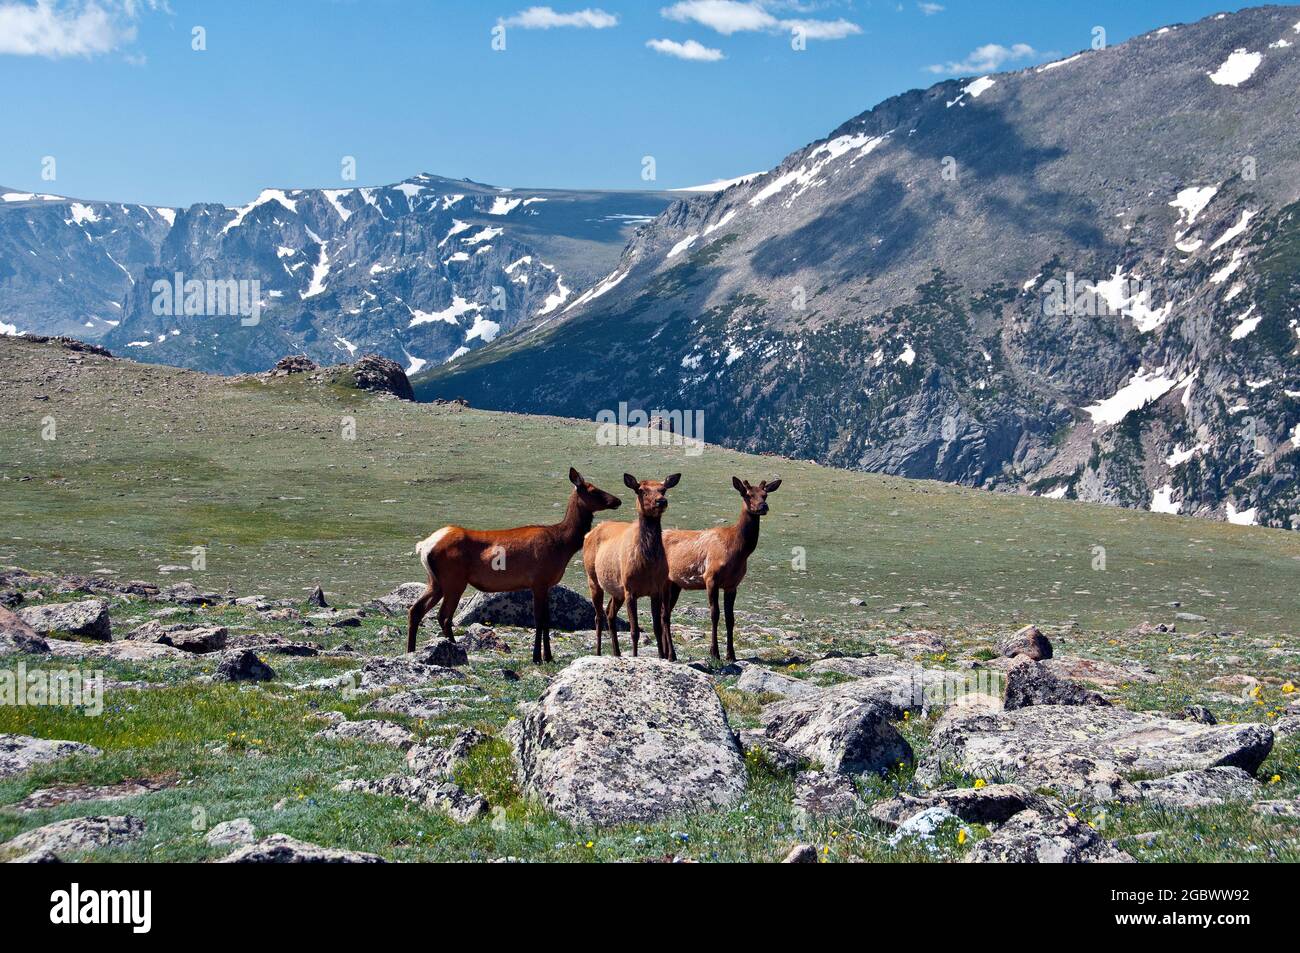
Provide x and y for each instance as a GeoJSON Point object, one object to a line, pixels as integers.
{"type": "Point", "coordinates": [506, 560]}
{"type": "Point", "coordinates": [716, 559]}
{"type": "Point", "coordinates": [627, 561]}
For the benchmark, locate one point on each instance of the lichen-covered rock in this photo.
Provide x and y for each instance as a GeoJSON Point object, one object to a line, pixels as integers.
{"type": "Point", "coordinates": [430, 793]}
{"type": "Point", "coordinates": [243, 665]}
{"type": "Point", "coordinates": [615, 740]}
{"type": "Point", "coordinates": [400, 600]}
{"type": "Point", "coordinates": [378, 375]}
{"type": "Point", "coordinates": [404, 671]}
{"type": "Point", "coordinates": [801, 854]}
{"type": "Point", "coordinates": [1057, 745]}
{"type": "Point", "coordinates": [1030, 683]}
{"type": "Point", "coordinates": [88, 618]}
{"type": "Point", "coordinates": [990, 804]}
{"type": "Point", "coordinates": [283, 849]}
{"type": "Point", "coordinates": [1188, 789]}
{"type": "Point", "coordinates": [756, 678]}
{"type": "Point", "coordinates": [371, 731]}
{"type": "Point", "coordinates": [196, 639]}
{"type": "Point", "coordinates": [570, 612]}
{"type": "Point", "coordinates": [436, 761]}
{"type": "Point", "coordinates": [1031, 837]}
{"type": "Point", "coordinates": [841, 733]}
{"type": "Point", "coordinates": [412, 704]}
{"type": "Point", "coordinates": [778, 757]}
{"type": "Point", "coordinates": [18, 753]}
{"type": "Point", "coordinates": [75, 835]}
{"type": "Point", "coordinates": [235, 833]}
{"type": "Point", "coordinates": [1028, 643]}
{"type": "Point", "coordinates": [445, 653]}
{"type": "Point", "coordinates": [821, 794]}
{"type": "Point", "coordinates": [17, 636]}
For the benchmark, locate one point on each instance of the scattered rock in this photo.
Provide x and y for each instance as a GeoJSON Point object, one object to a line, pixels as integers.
{"type": "Point", "coordinates": [400, 600]}
{"type": "Point", "coordinates": [317, 598]}
{"type": "Point", "coordinates": [371, 731]}
{"type": "Point", "coordinates": [819, 794]}
{"type": "Point", "coordinates": [915, 644]}
{"type": "Point", "coordinates": [1277, 808]}
{"type": "Point", "coordinates": [1152, 628]}
{"type": "Point", "coordinates": [480, 639]}
{"type": "Point", "coordinates": [1286, 726]}
{"type": "Point", "coordinates": [778, 757]}
{"type": "Point", "coordinates": [412, 704]}
{"type": "Point", "coordinates": [1030, 683]}
{"type": "Point", "coordinates": [18, 753]}
{"type": "Point", "coordinates": [570, 612]}
{"type": "Point", "coordinates": [618, 740]}
{"type": "Point", "coordinates": [196, 639]}
{"type": "Point", "coordinates": [88, 619]}
{"type": "Point", "coordinates": [923, 825]}
{"type": "Point", "coordinates": [186, 593]}
{"type": "Point", "coordinates": [433, 761]}
{"type": "Point", "coordinates": [801, 854]}
{"type": "Point", "coordinates": [243, 665]}
{"type": "Point", "coordinates": [1188, 789]}
{"type": "Point", "coordinates": [293, 364]}
{"type": "Point", "coordinates": [236, 833]}
{"type": "Point", "coordinates": [445, 653]}
{"type": "Point", "coordinates": [756, 678]}
{"type": "Point", "coordinates": [843, 734]}
{"type": "Point", "coordinates": [75, 835]}
{"type": "Point", "coordinates": [1059, 745]}
{"type": "Point", "coordinates": [436, 795]}
{"type": "Point", "coordinates": [45, 798]}
{"type": "Point", "coordinates": [17, 636]}
{"type": "Point", "coordinates": [1028, 643]}
{"type": "Point", "coordinates": [403, 670]}
{"type": "Point", "coordinates": [378, 375]}
{"type": "Point", "coordinates": [283, 849]}
{"type": "Point", "coordinates": [1189, 617]}
{"type": "Point", "coordinates": [1031, 837]}
{"type": "Point", "coordinates": [990, 804]}
{"type": "Point", "coordinates": [1199, 714]}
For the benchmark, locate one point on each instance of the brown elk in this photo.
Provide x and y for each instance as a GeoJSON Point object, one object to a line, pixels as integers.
{"type": "Point", "coordinates": [716, 559]}
{"type": "Point", "coordinates": [506, 560]}
{"type": "Point", "coordinates": [627, 561]}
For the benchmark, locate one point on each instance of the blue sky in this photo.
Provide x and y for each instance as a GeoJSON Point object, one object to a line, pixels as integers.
{"type": "Point", "coordinates": [114, 92]}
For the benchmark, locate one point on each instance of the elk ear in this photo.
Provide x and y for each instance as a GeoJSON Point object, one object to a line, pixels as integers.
{"type": "Point", "coordinates": [575, 477]}
{"type": "Point", "coordinates": [672, 481]}
{"type": "Point", "coordinates": [740, 487]}
{"type": "Point", "coordinates": [631, 483]}
{"type": "Point", "coordinates": [771, 487]}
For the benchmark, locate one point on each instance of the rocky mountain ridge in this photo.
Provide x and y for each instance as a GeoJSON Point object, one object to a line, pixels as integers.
{"type": "Point", "coordinates": [1076, 280]}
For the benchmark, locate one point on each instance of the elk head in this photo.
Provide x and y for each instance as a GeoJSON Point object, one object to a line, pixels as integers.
{"type": "Point", "coordinates": [651, 495]}
{"type": "Point", "coordinates": [755, 496]}
{"type": "Point", "coordinates": [591, 497]}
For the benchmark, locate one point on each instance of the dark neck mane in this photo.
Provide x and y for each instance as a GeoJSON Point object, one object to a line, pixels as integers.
{"type": "Point", "coordinates": [748, 526]}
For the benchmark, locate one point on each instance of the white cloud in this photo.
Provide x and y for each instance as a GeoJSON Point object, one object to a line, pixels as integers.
{"type": "Point", "coordinates": [930, 9]}
{"type": "Point", "coordinates": [57, 28]}
{"type": "Point", "coordinates": [733, 16]}
{"type": "Point", "coordinates": [987, 59]}
{"type": "Point", "coordinates": [690, 50]}
{"type": "Point", "coordinates": [544, 18]}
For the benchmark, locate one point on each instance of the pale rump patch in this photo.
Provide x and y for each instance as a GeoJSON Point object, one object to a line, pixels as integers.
{"type": "Point", "coordinates": [425, 546]}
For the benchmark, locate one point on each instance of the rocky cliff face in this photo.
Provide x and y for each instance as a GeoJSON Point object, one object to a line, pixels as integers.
{"type": "Point", "coordinates": [1079, 280]}
{"type": "Point", "coordinates": [418, 271]}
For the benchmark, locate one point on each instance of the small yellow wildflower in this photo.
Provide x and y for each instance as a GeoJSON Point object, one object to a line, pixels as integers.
{"type": "Point", "coordinates": [1288, 688]}
{"type": "Point", "coordinates": [961, 836]}
{"type": "Point", "coordinates": [590, 844]}
{"type": "Point", "coordinates": [1275, 779]}
{"type": "Point", "coordinates": [979, 783]}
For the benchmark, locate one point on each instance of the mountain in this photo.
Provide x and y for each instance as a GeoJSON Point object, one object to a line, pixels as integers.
{"type": "Point", "coordinates": [416, 271]}
{"type": "Point", "coordinates": [1078, 280]}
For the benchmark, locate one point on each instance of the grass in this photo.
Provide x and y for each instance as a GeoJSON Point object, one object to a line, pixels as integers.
{"type": "Point", "coordinates": [150, 462]}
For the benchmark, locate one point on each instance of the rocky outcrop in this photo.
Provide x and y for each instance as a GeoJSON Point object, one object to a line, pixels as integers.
{"type": "Point", "coordinates": [822, 794]}
{"type": "Point", "coordinates": [1202, 788]}
{"type": "Point", "coordinates": [371, 731]}
{"type": "Point", "coordinates": [1029, 683]}
{"type": "Point", "coordinates": [242, 665]}
{"type": "Point", "coordinates": [616, 740]}
{"type": "Point", "coordinates": [1028, 642]}
{"type": "Point", "coordinates": [988, 804]}
{"type": "Point", "coordinates": [376, 374]}
{"type": "Point", "coordinates": [74, 836]}
{"type": "Point", "coordinates": [17, 636]}
{"type": "Point", "coordinates": [1031, 837]}
{"type": "Point", "coordinates": [18, 753]}
{"type": "Point", "coordinates": [283, 849]}
{"type": "Point", "coordinates": [756, 678]}
{"type": "Point", "coordinates": [1086, 749]}
{"type": "Point", "coordinates": [88, 619]}
{"type": "Point", "coordinates": [432, 794]}
{"type": "Point", "coordinates": [235, 833]}
{"type": "Point", "coordinates": [841, 733]}
{"type": "Point", "coordinates": [400, 600]}
{"type": "Point", "coordinates": [570, 612]}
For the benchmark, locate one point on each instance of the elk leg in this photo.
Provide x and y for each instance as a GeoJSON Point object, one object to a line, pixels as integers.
{"type": "Point", "coordinates": [540, 606]}
{"type": "Point", "coordinates": [669, 602]}
{"type": "Point", "coordinates": [545, 624]}
{"type": "Point", "coordinates": [448, 611]}
{"type": "Point", "coordinates": [632, 624]}
{"type": "Point", "coordinates": [418, 611]}
{"type": "Point", "coordinates": [598, 601]}
{"type": "Point", "coordinates": [611, 615]}
{"type": "Point", "coordinates": [657, 623]}
{"type": "Point", "coordinates": [729, 601]}
{"type": "Point", "coordinates": [713, 617]}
